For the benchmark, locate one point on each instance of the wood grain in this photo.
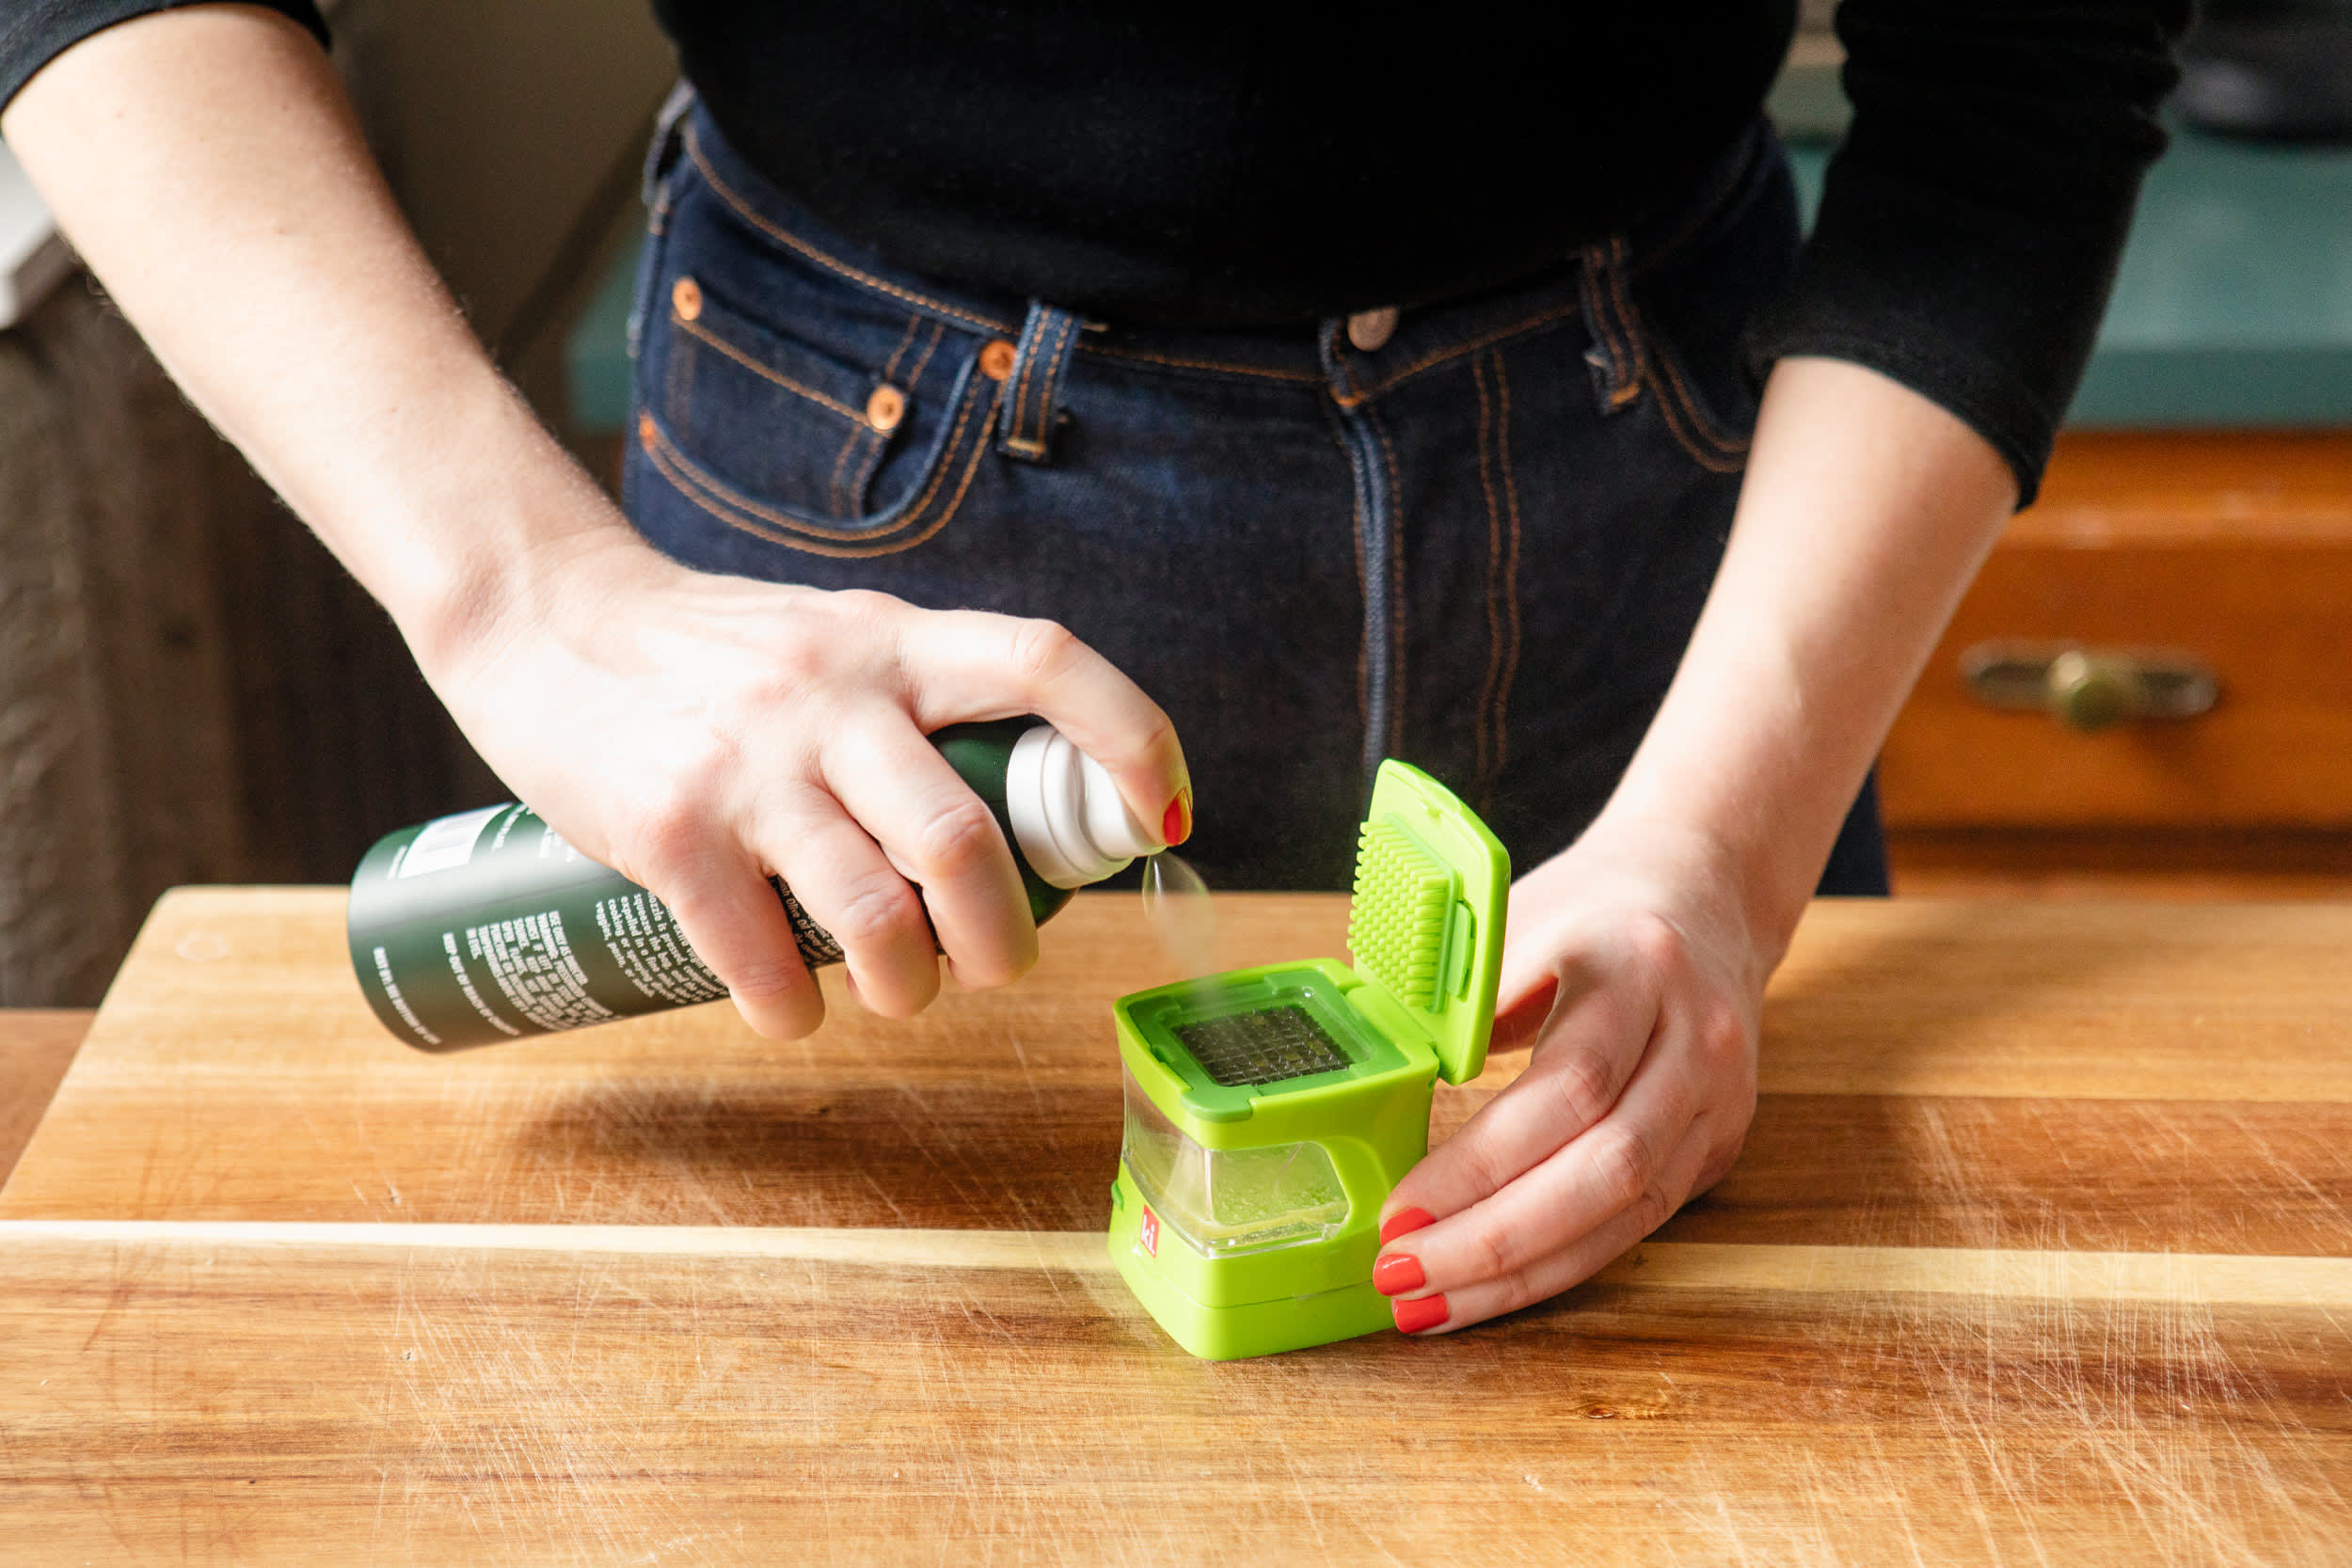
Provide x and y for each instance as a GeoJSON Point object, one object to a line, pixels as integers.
{"type": "Point", "coordinates": [36, 1046]}
{"type": "Point", "coordinates": [234, 1073]}
{"type": "Point", "coordinates": [2173, 864]}
{"type": "Point", "coordinates": [2147, 487]}
{"type": "Point", "coordinates": [216, 1400]}
{"type": "Point", "coordinates": [2040, 1251]}
{"type": "Point", "coordinates": [2236, 549]}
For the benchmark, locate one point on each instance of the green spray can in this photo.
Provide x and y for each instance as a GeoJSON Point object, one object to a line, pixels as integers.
{"type": "Point", "coordinates": [487, 927]}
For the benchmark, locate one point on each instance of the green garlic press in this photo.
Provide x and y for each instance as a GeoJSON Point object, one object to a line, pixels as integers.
{"type": "Point", "coordinates": [1270, 1111]}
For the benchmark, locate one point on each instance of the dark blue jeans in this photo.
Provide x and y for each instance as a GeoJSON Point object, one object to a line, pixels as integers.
{"type": "Point", "coordinates": [1480, 546]}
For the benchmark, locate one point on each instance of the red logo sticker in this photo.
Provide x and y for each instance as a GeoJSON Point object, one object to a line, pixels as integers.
{"type": "Point", "coordinates": [1149, 1233]}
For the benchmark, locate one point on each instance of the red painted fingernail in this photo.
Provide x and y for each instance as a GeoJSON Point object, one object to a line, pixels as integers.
{"type": "Point", "coordinates": [1419, 1313]}
{"type": "Point", "coordinates": [1397, 1272]}
{"type": "Point", "coordinates": [1176, 826]}
{"type": "Point", "coordinates": [1403, 1221]}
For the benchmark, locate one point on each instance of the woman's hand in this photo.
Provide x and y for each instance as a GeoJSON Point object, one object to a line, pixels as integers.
{"type": "Point", "coordinates": [1630, 965]}
{"type": "Point", "coordinates": [1640, 954]}
{"type": "Point", "coordinates": [697, 733]}
{"type": "Point", "coordinates": [694, 732]}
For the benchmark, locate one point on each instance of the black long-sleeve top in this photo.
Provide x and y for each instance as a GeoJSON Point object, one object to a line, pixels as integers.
{"type": "Point", "coordinates": [1226, 164]}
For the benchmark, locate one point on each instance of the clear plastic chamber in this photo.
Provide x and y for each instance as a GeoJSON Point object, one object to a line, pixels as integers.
{"type": "Point", "coordinates": [1228, 1202]}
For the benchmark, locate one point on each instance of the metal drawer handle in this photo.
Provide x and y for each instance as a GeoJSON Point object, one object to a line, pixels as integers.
{"type": "Point", "coordinates": [2090, 689]}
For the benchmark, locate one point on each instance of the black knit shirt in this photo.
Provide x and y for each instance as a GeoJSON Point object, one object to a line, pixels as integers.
{"type": "Point", "coordinates": [1226, 164]}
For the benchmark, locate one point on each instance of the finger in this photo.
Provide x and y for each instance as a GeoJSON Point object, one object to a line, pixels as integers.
{"type": "Point", "coordinates": [1434, 1311]}
{"type": "Point", "coordinates": [969, 664]}
{"type": "Point", "coordinates": [1518, 1022]}
{"type": "Point", "coordinates": [939, 836]}
{"type": "Point", "coordinates": [1598, 1029]}
{"type": "Point", "coordinates": [843, 880]}
{"type": "Point", "coordinates": [1618, 1164]}
{"type": "Point", "coordinates": [1532, 947]}
{"type": "Point", "coordinates": [736, 925]}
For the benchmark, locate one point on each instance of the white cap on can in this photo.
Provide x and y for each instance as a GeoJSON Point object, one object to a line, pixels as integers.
{"type": "Point", "coordinates": [1068, 819]}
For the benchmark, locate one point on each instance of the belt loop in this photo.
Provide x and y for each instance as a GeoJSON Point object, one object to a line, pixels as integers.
{"type": "Point", "coordinates": [1032, 405]}
{"type": "Point", "coordinates": [662, 152]}
{"type": "Point", "coordinates": [1614, 359]}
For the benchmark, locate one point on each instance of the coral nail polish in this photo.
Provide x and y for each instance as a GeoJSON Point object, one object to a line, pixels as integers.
{"type": "Point", "coordinates": [1403, 1221]}
{"type": "Point", "coordinates": [1176, 826]}
{"type": "Point", "coordinates": [1422, 1312]}
{"type": "Point", "coordinates": [1397, 1272]}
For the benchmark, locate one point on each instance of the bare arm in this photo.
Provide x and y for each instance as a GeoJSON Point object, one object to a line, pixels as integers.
{"type": "Point", "coordinates": [1637, 956]}
{"type": "Point", "coordinates": [696, 732]}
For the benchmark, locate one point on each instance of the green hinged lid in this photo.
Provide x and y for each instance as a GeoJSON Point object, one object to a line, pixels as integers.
{"type": "Point", "coordinates": [1425, 926]}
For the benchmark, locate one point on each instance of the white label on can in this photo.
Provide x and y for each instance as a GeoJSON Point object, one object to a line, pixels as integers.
{"type": "Point", "coordinates": [447, 844]}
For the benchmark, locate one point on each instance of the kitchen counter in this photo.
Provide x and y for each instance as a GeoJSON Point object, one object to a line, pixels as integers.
{"type": "Point", "coordinates": [2040, 1251]}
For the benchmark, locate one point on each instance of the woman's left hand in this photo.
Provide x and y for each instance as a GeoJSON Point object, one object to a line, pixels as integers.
{"type": "Point", "coordinates": [1637, 957]}
{"type": "Point", "coordinates": [1631, 964]}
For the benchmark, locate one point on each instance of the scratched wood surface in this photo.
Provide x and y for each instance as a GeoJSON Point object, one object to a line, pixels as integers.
{"type": "Point", "coordinates": [2041, 1252]}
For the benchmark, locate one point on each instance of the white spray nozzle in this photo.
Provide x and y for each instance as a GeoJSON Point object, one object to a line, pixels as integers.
{"type": "Point", "coordinates": [1068, 818]}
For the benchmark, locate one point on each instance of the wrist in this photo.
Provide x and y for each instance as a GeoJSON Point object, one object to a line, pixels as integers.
{"type": "Point", "coordinates": [491, 541]}
{"type": "Point", "coordinates": [1679, 866]}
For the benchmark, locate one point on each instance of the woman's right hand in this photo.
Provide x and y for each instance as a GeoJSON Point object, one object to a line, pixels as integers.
{"type": "Point", "coordinates": [697, 733]}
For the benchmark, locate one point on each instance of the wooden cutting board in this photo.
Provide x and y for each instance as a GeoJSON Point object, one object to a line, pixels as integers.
{"type": "Point", "coordinates": [2041, 1252]}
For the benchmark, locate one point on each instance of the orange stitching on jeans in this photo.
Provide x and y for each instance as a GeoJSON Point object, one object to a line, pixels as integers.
{"type": "Point", "coordinates": [832, 486]}
{"type": "Point", "coordinates": [1014, 437]}
{"type": "Point", "coordinates": [695, 329]}
{"type": "Point", "coordinates": [1400, 622]}
{"type": "Point", "coordinates": [861, 478]}
{"type": "Point", "coordinates": [1597, 264]}
{"type": "Point", "coordinates": [1701, 431]}
{"type": "Point", "coordinates": [906, 340]}
{"type": "Point", "coordinates": [840, 501]}
{"type": "Point", "coordinates": [683, 483]}
{"type": "Point", "coordinates": [1049, 383]}
{"type": "Point", "coordinates": [1724, 448]}
{"type": "Point", "coordinates": [1363, 585]}
{"type": "Point", "coordinates": [1658, 355]}
{"type": "Point", "coordinates": [1494, 561]}
{"type": "Point", "coordinates": [1714, 462]}
{"type": "Point", "coordinates": [684, 472]}
{"type": "Point", "coordinates": [914, 377]}
{"type": "Point", "coordinates": [678, 383]}
{"type": "Point", "coordinates": [743, 210]}
{"type": "Point", "coordinates": [1219, 366]}
{"type": "Point", "coordinates": [1727, 445]}
{"type": "Point", "coordinates": [1511, 571]}
{"type": "Point", "coordinates": [1020, 390]}
{"type": "Point", "coordinates": [854, 486]}
{"type": "Point", "coordinates": [1488, 339]}
{"type": "Point", "coordinates": [1627, 344]}
{"type": "Point", "coordinates": [1680, 424]}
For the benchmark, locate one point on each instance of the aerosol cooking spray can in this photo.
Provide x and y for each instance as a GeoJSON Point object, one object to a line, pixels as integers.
{"type": "Point", "coordinates": [488, 927]}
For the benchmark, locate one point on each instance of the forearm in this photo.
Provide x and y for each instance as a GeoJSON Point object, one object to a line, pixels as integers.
{"type": "Point", "coordinates": [1865, 511]}
{"type": "Point", "coordinates": [206, 164]}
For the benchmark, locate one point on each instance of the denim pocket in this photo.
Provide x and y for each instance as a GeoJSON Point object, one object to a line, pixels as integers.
{"type": "Point", "coordinates": [787, 404]}
{"type": "Point", "coordinates": [771, 417]}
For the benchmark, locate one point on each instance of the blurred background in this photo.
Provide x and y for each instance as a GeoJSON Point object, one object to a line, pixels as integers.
{"type": "Point", "coordinates": [2146, 694]}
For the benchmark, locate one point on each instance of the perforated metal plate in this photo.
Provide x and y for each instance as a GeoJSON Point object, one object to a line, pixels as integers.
{"type": "Point", "coordinates": [1262, 1047]}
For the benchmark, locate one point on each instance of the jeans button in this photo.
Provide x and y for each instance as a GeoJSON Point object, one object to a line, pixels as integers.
{"type": "Point", "coordinates": [1369, 330]}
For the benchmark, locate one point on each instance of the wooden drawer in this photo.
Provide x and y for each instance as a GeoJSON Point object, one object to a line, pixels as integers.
{"type": "Point", "coordinates": [2234, 550]}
